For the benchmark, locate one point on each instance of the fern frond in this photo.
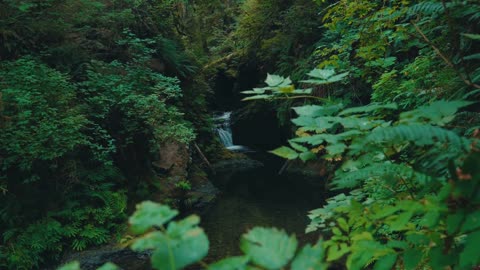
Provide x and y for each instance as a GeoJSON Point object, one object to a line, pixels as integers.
{"type": "Point", "coordinates": [355, 178]}
{"type": "Point", "coordinates": [426, 8]}
{"type": "Point", "coordinates": [420, 135]}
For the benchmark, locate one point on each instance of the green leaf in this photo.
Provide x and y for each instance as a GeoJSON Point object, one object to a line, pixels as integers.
{"type": "Point", "coordinates": [321, 73]}
{"type": "Point", "coordinates": [472, 36]}
{"type": "Point", "coordinates": [306, 156]}
{"type": "Point", "coordinates": [108, 266]}
{"type": "Point", "coordinates": [277, 81]}
{"type": "Point", "coordinates": [149, 214]}
{"type": "Point", "coordinates": [70, 266]}
{"type": "Point", "coordinates": [342, 223]}
{"type": "Point", "coordinates": [257, 97]}
{"type": "Point", "coordinates": [386, 262]}
{"type": "Point", "coordinates": [183, 244]}
{"type": "Point", "coordinates": [232, 263]}
{"type": "Point", "coordinates": [335, 252]}
{"type": "Point", "coordinates": [298, 147]}
{"type": "Point", "coordinates": [369, 108]}
{"type": "Point", "coordinates": [310, 258]}
{"type": "Point", "coordinates": [269, 248]}
{"type": "Point", "coordinates": [412, 258]}
{"type": "Point", "coordinates": [470, 256]}
{"type": "Point", "coordinates": [285, 152]}
{"type": "Point", "coordinates": [475, 56]}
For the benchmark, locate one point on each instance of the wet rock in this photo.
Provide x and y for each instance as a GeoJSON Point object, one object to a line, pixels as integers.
{"type": "Point", "coordinates": [228, 170]}
{"type": "Point", "coordinates": [124, 258]}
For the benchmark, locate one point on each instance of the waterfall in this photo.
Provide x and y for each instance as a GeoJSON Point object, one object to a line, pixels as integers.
{"type": "Point", "coordinates": [222, 124]}
{"type": "Point", "coordinates": [224, 131]}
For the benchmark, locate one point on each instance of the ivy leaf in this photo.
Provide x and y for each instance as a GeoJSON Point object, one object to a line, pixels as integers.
{"type": "Point", "coordinates": [232, 263]}
{"type": "Point", "coordinates": [149, 214]}
{"type": "Point", "coordinates": [269, 248]}
{"type": "Point", "coordinates": [310, 258]}
{"type": "Point", "coordinates": [285, 152]}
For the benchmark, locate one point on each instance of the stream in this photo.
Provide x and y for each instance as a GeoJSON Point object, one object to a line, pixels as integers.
{"type": "Point", "coordinates": [255, 196]}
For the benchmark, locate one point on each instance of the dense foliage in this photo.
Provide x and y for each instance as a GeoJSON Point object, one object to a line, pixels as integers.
{"type": "Point", "coordinates": [91, 90]}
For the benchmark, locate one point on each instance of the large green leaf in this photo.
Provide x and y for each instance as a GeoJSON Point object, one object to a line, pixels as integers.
{"type": "Point", "coordinates": [269, 248]}
{"type": "Point", "coordinates": [149, 214]}
{"type": "Point", "coordinates": [310, 258]}
{"type": "Point", "coordinates": [184, 243]}
{"type": "Point", "coordinates": [277, 81]}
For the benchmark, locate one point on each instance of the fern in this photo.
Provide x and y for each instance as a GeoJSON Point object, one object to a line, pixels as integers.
{"type": "Point", "coordinates": [420, 135]}
{"type": "Point", "coordinates": [355, 178]}
{"type": "Point", "coordinates": [426, 8]}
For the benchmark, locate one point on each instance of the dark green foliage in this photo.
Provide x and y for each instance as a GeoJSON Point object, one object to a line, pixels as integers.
{"type": "Point", "coordinates": [89, 90]}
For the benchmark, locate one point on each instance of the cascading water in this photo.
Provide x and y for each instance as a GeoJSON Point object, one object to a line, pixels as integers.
{"type": "Point", "coordinates": [224, 131]}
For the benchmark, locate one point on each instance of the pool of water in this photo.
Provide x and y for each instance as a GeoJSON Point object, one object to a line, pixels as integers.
{"type": "Point", "coordinates": [259, 197]}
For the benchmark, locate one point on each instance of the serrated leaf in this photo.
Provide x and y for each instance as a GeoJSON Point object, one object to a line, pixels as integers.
{"type": "Point", "coordinates": [269, 248]}
{"type": "Point", "coordinates": [310, 258]}
{"type": "Point", "coordinates": [277, 81]}
{"type": "Point", "coordinates": [321, 73]}
{"type": "Point", "coordinates": [149, 214]}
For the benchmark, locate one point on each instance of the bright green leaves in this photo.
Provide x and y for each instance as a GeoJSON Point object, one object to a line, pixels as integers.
{"type": "Point", "coordinates": [182, 243]}
{"type": "Point", "coordinates": [277, 81]}
{"type": "Point", "coordinates": [437, 113]}
{"type": "Point", "coordinates": [70, 266]}
{"type": "Point", "coordinates": [269, 248]}
{"type": "Point", "coordinates": [310, 258]}
{"type": "Point", "coordinates": [285, 152]}
{"type": "Point", "coordinates": [324, 76]}
{"type": "Point", "coordinates": [149, 214]}
{"type": "Point", "coordinates": [281, 87]}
